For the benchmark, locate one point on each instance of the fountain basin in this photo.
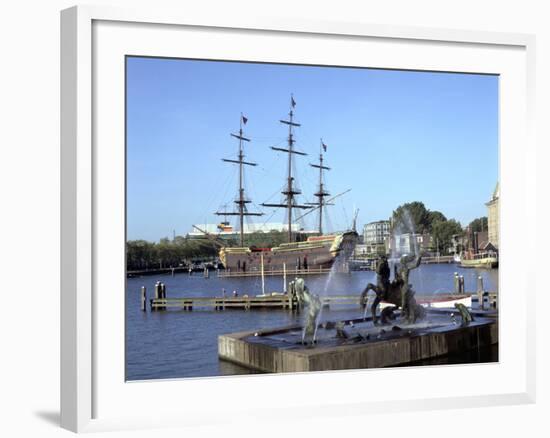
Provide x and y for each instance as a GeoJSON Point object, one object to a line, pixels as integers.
{"type": "Point", "coordinates": [280, 350]}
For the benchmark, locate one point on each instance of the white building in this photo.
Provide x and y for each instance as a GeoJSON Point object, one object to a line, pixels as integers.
{"type": "Point", "coordinates": [376, 233]}
{"type": "Point", "coordinates": [409, 243]}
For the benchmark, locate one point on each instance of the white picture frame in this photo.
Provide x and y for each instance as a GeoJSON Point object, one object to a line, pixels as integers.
{"type": "Point", "coordinates": [92, 395]}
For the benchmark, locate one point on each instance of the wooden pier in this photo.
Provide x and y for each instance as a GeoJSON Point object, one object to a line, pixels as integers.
{"type": "Point", "coordinates": [280, 301]}
{"type": "Point", "coordinates": [220, 303]}
{"type": "Point", "coordinates": [436, 260]}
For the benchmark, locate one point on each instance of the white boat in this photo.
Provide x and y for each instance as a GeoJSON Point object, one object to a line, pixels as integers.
{"type": "Point", "coordinates": [438, 301]}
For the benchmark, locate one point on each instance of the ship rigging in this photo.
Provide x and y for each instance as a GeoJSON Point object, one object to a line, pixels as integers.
{"type": "Point", "coordinates": [321, 193]}
{"type": "Point", "coordinates": [241, 200]}
{"type": "Point", "coordinates": [291, 191]}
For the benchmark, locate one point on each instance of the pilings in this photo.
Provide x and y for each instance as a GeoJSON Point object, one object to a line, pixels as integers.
{"type": "Point", "coordinates": [144, 298]}
{"type": "Point", "coordinates": [483, 298]}
{"type": "Point", "coordinates": [160, 294]}
{"type": "Point", "coordinates": [459, 283]}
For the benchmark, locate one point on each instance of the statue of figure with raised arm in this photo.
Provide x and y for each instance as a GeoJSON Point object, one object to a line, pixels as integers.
{"type": "Point", "coordinates": [406, 264]}
{"type": "Point", "coordinates": [398, 292]}
{"type": "Point", "coordinates": [312, 304]}
{"type": "Point", "coordinates": [381, 288]}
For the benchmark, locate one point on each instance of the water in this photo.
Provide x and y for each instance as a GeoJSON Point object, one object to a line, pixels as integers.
{"type": "Point", "coordinates": [175, 344]}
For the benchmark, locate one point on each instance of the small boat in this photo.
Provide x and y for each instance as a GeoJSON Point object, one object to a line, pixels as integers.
{"type": "Point", "coordinates": [439, 301]}
{"type": "Point", "coordinates": [487, 260]}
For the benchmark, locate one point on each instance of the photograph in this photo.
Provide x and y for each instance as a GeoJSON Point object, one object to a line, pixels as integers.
{"type": "Point", "coordinates": [287, 218]}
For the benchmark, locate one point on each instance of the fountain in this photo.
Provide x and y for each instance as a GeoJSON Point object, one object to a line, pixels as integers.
{"type": "Point", "coordinates": [398, 292]}
{"type": "Point", "coordinates": [354, 342]}
{"type": "Point", "coordinates": [405, 331]}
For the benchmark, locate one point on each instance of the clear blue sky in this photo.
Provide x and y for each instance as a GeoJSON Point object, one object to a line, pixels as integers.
{"type": "Point", "coordinates": [392, 137]}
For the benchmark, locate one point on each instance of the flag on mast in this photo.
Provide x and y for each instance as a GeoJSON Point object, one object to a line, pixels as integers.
{"type": "Point", "coordinates": [292, 101]}
{"type": "Point", "coordinates": [324, 146]}
{"type": "Point", "coordinates": [245, 119]}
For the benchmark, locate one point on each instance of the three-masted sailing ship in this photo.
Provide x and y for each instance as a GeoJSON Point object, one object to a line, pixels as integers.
{"type": "Point", "coordinates": [315, 253]}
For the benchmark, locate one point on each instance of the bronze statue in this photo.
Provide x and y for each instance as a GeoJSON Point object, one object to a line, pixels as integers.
{"type": "Point", "coordinates": [467, 317]}
{"type": "Point", "coordinates": [313, 305]}
{"type": "Point", "coordinates": [398, 292]}
{"type": "Point", "coordinates": [381, 288]}
{"type": "Point", "coordinates": [406, 264]}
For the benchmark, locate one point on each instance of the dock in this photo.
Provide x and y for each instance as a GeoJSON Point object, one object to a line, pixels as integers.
{"type": "Point", "coordinates": [281, 301]}
{"type": "Point", "coordinates": [437, 260]}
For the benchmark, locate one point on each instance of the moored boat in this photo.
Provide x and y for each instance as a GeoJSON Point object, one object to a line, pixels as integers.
{"type": "Point", "coordinates": [487, 260]}
{"type": "Point", "coordinates": [439, 301]}
{"type": "Point", "coordinates": [314, 253]}
{"type": "Point", "coordinates": [317, 252]}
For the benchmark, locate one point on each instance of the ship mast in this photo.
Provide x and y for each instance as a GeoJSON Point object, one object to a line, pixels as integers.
{"type": "Point", "coordinates": [321, 194]}
{"type": "Point", "coordinates": [290, 191]}
{"type": "Point", "coordinates": [242, 200]}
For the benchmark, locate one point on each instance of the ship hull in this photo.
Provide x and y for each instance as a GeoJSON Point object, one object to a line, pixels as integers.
{"type": "Point", "coordinates": [319, 253]}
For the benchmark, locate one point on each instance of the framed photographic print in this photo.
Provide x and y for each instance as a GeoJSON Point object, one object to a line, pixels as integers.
{"type": "Point", "coordinates": [334, 212]}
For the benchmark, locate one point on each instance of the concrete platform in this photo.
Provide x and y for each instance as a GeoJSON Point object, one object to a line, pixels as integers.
{"type": "Point", "coordinates": [367, 346]}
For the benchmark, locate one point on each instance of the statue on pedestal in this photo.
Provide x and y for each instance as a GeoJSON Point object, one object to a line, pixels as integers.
{"type": "Point", "coordinates": [397, 292]}
{"type": "Point", "coordinates": [312, 304]}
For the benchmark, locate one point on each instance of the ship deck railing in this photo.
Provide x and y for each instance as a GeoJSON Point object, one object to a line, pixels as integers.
{"type": "Point", "coordinates": [271, 272]}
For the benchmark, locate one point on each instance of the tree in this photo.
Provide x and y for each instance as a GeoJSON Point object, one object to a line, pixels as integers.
{"type": "Point", "coordinates": [435, 216]}
{"type": "Point", "coordinates": [443, 232]}
{"type": "Point", "coordinates": [479, 224]}
{"type": "Point", "coordinates": [411, 215]}
{"type": "Point", "coordinates": [141, 254]}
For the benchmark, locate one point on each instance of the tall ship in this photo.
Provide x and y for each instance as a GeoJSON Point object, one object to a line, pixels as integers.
{"type": "Point", "coordinates": [318, 252]}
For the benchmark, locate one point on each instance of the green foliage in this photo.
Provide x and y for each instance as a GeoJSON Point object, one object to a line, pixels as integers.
{"type": "Point", "coordinates": [479, 224]}
{"type": "Point", "coordinates": [182, 250]}
{"type": "Point", "coordinates": [435, 223]}
{"type": "Point", "coordinates": [416, 212]}
{"type": "Point", "coordinates": [141, 254]}
{"type": "Point", "coordinates": [435, 216]}
{"type": "Point", "coordinates": [443, 232]}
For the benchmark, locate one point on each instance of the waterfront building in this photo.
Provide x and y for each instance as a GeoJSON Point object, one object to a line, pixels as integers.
{"type": "Point", "coordinates": [361, 250]}
{"type": "Point", "coordinates": [493, 216]}
{"type": "Point", "coordinates": [409, 243]}
{"type": "Point", "coordinates": [375, 236]}
{"type": "Point", "coordinates": [376, 232]}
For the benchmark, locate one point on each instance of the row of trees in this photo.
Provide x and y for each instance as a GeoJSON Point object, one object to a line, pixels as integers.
{"type": "Point", "coordinates": [141, 254]}
{"type": "Point", "coordinates": [409, 217]}
{"type": "Point", "coordinates": [425, 221]}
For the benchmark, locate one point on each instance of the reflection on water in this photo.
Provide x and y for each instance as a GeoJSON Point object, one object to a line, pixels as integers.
{"type": "Point", "coordinates": [176, 344]}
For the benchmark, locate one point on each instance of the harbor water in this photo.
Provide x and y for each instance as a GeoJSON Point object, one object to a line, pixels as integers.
{"type": "Point", "coordinates": [178, 344]}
